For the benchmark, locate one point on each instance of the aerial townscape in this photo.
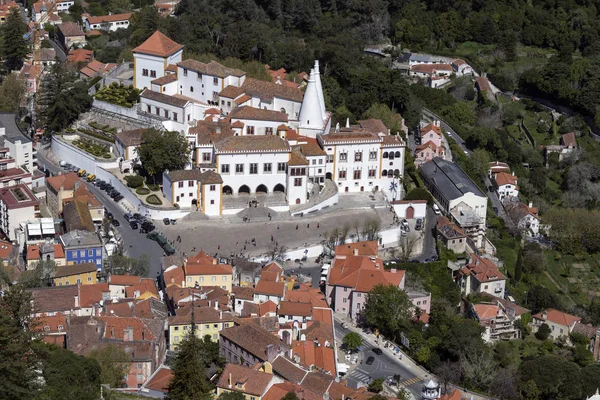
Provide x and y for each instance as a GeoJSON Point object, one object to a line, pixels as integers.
{"type": "Point", "coordinates": [299, 200]}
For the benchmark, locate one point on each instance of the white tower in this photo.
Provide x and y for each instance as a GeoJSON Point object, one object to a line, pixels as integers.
{"type": "Point", "coordinates": [431, 390]}
{"type": "Point", "coordinates": [313, 118]}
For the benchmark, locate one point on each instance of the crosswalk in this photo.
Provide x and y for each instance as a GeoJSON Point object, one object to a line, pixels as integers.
{"type": "Point", "coordinates": [359, 375]}
{"type": "Point", "coordinates": [409, 382]}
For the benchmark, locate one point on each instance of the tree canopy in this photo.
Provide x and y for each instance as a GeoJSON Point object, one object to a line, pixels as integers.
{"type": "Point", "coordinates": [389, 309]}
{"type": "Point", "coordinates": [163, 150]}
{"type": "Point", "coordinates": [14, 47]}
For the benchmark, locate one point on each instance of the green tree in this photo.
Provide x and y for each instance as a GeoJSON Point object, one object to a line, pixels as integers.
{"type": "Point", "coordinates": [14, 46]}
{"type": "Point", "coordinates": [594, 310]}
{"type": "Point", "coordinates": [479, 162]}
{"type": "Point", "coordinates": [376, 385]}
{"type": "Point", "coordinates": [114, 364]}
{"type": "Point", "coordinates": [554, 377]}
{"type": "Point", "coordinates": [231, 396]}
{"type": "Point", "coordinates": [122, 265]}
{"type": "Point", "coordinates": [352, 341]}
{"type": "Point", "coordinates": [66, 375]}
{"type": "Point", "coordinates": [290, 396]}
{"type": "Point", "coordinates": [162, 151]}
{"type": "Point", "coordinates": [11, 93]}
{"type": "Point", "coordinates": [540, 298]}
{"type": "Point", "coordinates": [389, 309]}
{"type": "Point", "coordinates": [419, 194]}
{"type": "Point", "coordinates": [18, 364]}
{"type": "Point", "coordinates": [39, 276]}
{"type": "Point", "coordinates": [62, 98]}
{"type": "Point", "coordinates": [543, 332]}
{"type": "Point", "coordinates": [189, 369]}
{"type": "Point", "coordinates": [390, 118]}
{"type": "Point", "coordinates": [519, 266]}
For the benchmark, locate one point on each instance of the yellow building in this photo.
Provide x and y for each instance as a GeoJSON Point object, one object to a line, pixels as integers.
{"type": "Point", "coordinates": [252, 383]}
{"type": "Point", "coordinates": [208, 322]}
{"type": "Point", "coordinates": [203, 270]}
{"type": "Point", "coordinates": [84, 274]}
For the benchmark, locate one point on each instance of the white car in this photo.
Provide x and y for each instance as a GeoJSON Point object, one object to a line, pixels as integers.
{"type": "Point", "coordinates": [466, 153]}
{"type": "Point", "coordinates": [436, 209]}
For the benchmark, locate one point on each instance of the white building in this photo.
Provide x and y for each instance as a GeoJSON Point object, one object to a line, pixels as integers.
{"type": "Point", "coordinates": [410, 209]}
{"type": "Point", "coordinates": [461, 67]}
{"type": "Point", "coordinates": [481, 275]}
{"type": "Point", "coordinates": [204, 82]}
{"type": "Point", "coordinates": [17, 204]}
{"type": "Point", "coordinates": [20, 149]}
{"type": "Point", "coordinates": [257, 121]}
{"type": "Point", "coordinates": [193, 188]}
{"type": "Point", "coordinates": [110, 22]}
{"type": "Point", "coordinates": [506, 185]}
{"type": "Point", "coordinates": [62, 6]}
{"type": "Point", "coordinates": [359, 160]}
{"type": "Point", "coordinates": [152, 58]}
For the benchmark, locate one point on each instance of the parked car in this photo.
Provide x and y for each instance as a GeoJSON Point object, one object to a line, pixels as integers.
{"type": "Point", "coordinates": [495, 210]}
{"type": "Point", "coordinates": [377, 351]}
{"type": "Point", "coordinates": [166, 221]}
{"type": "Point", "coordinates": [127, 217]}
{"type": "Point", "coordinates": [118, 198]}
{"type": "Point", "coordinates": [109, 215]}
{"type": "Point", "coordinates": [436, 209]}
{"type": "Point", "coordinates": [133, 224]}
{"type": "Point", "coordinates": [147, 227]}
{"type": "Point", "coordinates": [115, 222]}
{"type": "Point", "coordinates": [370, 360]}
{"type": "Point", "coordinates": [137, 216]}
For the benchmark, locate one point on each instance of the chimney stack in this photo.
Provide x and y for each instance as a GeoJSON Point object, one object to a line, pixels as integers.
{"type": "Point", "coordinates": [230, 383]}
{"type": "Point", "coordinates": [530, 204]}
{"type": "Point", "coordinates": [393, 270]}
{"type": "Point", "coordinates": [214, 261]}
{"type": "Point", "coordinates": [355, 252]}
{"type": "Point", "coordinates": [217, 305]}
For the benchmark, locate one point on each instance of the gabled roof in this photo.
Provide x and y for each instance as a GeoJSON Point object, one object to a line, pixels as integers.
{"type": "Point", "coordinates": [449, 229]}
{"type": "Point", "coordinates": [75, 269]}
{"type": "Point", "coordinates": [483, 84]}
{"type": "Point", "coordinates": [294, 308]}
{"type": "Point", "coordinates": [80, 55]}
{"type": "Point", "coordinates": [558, 317]}
{"type": "Point", "coordinates": [253, 382]}
{"type": "Point", "coordinates": [504, 178]}
{"type": "Point", "coordinates": [109, 18]}
{"type": "Point", "coordinates": [270, 288]}
{"type": "Point", "coordinates": [66, 181]}
{"type": "Point", "coordinates": [131, 138]}
{"type": "Point", "coordinates": [258, 114]}
{"type": "Point", "coordinates": [362, 273]}
{"type": "Point", "coordinates": [431, 127]}
{"type": "Point", "coordinates": [212, 68]}
{"type": "Point", "coordinates": [164, 98]}
{"type": "Point", "coordinates": [569, 139]}
{"type": "Point", "coordinates": [373, 125]}
{"type": "Point", "coordinates": [268, 90]}
{"type": "Point", "coordinates": [486, 311]}
{"type": "Point", "coordinates": [252, 338]}
{"type": "Point", "coordinates": [160, 379]}
{"type": "Point", "coordinates": [483, 269]}
{"type": "Point", "coordinates": [361, 248]}
{"type": "Point", "coordinates": [158, 45]}
{"type": "Point", "coordinates": [252, 143]}
{"type": "Point", "coordinates": [70, 29]}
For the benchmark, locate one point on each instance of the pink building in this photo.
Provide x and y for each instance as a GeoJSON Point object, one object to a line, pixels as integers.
{"type": "Point", "coordinates": [431, 143]}
{"type": "Point", "coordinates": [352, 276]}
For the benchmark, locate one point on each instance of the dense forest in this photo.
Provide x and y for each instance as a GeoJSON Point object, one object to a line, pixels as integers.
{"type": "Point", "coordinates": [562, 37]}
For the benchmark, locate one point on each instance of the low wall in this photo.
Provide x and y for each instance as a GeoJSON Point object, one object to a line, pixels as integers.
{"type": "Point", "coordinates": [138, 206]}
{"type": "Point", "coordinates": [327, 203]}
{"type": "Point", "coordinates": [113, 108]}
{"type": "Point", "coordinates": [80, 158]}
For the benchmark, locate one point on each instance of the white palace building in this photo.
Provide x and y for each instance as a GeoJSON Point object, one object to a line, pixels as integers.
{"type": "Point", "coordinates": [255, 137]}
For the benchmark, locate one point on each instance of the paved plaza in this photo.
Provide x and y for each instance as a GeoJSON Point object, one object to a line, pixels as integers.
{"type": "Point", "coordinates": [231, 234]}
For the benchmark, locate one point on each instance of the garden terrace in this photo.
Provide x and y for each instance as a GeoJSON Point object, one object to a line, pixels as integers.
{"type": "Point", "coordinates": [119, 94]}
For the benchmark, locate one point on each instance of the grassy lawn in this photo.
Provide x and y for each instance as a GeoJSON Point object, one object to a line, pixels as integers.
{"type": "Point", "coordinates": [578, 277]}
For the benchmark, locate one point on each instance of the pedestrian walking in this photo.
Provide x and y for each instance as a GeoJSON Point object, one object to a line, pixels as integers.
{"type": "Point", "coordinates": [219, 247]}
{"type": "Point", "coordinates": [244, 247]}
{"type": "Point", "coordinates": [296, 227]}
{"type": "Point", "coordinates": [308, 225]}
{"type": "Point", "coordinates": [318, 225]}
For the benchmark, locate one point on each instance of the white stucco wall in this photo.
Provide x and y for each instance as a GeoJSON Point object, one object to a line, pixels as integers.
{"type": "Point", "coordinates": [270, 180]}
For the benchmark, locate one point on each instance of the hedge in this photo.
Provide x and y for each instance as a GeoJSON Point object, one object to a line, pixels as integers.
{"type": "Point", "coordinates": [134, 181]}
{"type": "Point", "coordinates": [142, 191]}
{"type": "Point", "coordinates": [153, 186]}
{"type": "Point", "coordinates": [97, 135]}
{"type": "Point", "coordinates": [153, 199]}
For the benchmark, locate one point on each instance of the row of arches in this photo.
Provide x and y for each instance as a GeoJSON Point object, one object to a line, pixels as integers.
{"type": "Point", "coordinates": [260, 189]}
{"type": "Point", "coordinates": [391, 155]}
{"type": "Point", "coordinates": [390, 172]}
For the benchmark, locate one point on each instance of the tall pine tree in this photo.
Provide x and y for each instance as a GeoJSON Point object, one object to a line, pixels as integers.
{"type": "Point", "coordinates": [14, 46]}
{"type": "Point", "coordinates": [62, 98]}
{"type": "Point", "coordinates": [519, 266]}
{"type": "Point", "coordinates": [189, 370]}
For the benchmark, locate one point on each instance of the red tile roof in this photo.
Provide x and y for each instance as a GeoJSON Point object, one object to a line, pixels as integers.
{"type": "Point", "coordinates": [252, 382]}
{"type": "Point", "coordinates": [294, 308]}
{"type": "Point", "coordinates": [483, 269]}
{"type": "Point", "coordinates": [454, 395]}
{"type": "Point", "coordinates": [362, 248]}
{"type": "Point", "coordinates": [504, 178]}
{"type": "Point", "coordinates": [486, 311]}
{"type": "Point", "coordinates": [362, 273]}
{"type": "Point", "coordinates": [311, 354]}
{"type": "Point", "coordinates": [569, 140]}
{"type": "Point", "coordinates": [109, 18]}
{"type": "Point", "coordinates": [484, 84]}
{"type": "Point", "coordinates": [558, 317]}
{"type": "Point", "coordinates": [160, 380]}
{"type": "Point", "coordinates": [271, 272]}
{"type": "Point", "coordinates": [158, 45]}
{"type": "Point", "coordinates": [431, 127]}
{"type": "Point", "coordinates": [124, 280]}
{"type": "Point", "coordinates": [270, 288]}
{"type": "Point", "coordinates": [66, 181]}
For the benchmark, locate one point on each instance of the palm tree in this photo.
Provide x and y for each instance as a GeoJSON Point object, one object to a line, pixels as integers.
{"type": "Point", "coordinates": [394, 186]}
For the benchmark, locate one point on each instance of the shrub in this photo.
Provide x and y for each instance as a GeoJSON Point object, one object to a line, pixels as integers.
{"type": "Point", "coordinates": [153, 186]}
{"type": "Point", "coordinates": [134, 181]}
{"type": "Point", "coordinates": [142, 191]}
{"type": "Point", "coordinates": [106, 156]}
{"type": "Point", "coordinates": [176, 205]}
{"type": "Point", "coordinates": [154, 199]}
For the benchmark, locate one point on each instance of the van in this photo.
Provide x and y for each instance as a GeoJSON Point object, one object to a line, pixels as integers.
{"type": "Point", "coordinates": [436, 209]}
{"type": "Point", "coordinates": [81, 172]}
{"type": "Point", "coordinates": [91, 177]}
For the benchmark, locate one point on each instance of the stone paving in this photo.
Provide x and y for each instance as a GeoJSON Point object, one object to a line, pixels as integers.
{"type": "Point", "coordinates": [229, 234]}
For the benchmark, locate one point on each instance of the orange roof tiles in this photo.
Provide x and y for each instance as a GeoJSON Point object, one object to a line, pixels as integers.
{"type": "Point", "coordinates": [145, 285]}
{"type": "Point", "coordinates": [357, 249]}
{"type": "Point", "coordinates": [430, 68]}
{"type": "Point", "coordinates": [109, 18]}
{"type": "Point", "coordinates": [270, 288]}
{"type": "Point", "coordinates": [116, 328]}
{"type": "Point", "coordinates": [57, 323]}
{"type": "Point", "coordinates": [174, 276]}
{"type": "Point", "coordinates": [268, 307]}
{"type": "Point", "coordinates": [486, 311]}
{"type": "Point", "coordinates": [306, 294]}
{"type": "Point", "coordinates": [558, 317]}
{"type": "Point", "coordinates": [66, 181]}
{"type": "Point", "coordinates": [504, 178]}
{"type": "Point", "coordinates": [362, 273]}
{"type": "Point", "coordinates": [483, 83]}
{"type": "Point", "coordinates": [311, 354]}
{"type": "Point", "coordinates": [252, 382]}
{"type": "Point", "coordinates": [259, 114]}
{"type": "Point", "coordinates": [124, 280]}
{"type": "Point", "coordinates": [454, 395]}
{"type": "Point", "coordinates": [324, 315]}
{"type": "Point", "coordinates": [91, 294]}
{"type": "Point", "coordinates": [569, 140]}
{"type": "Point", "coordinates": [431, 127]}
{"type": "Point", "coordinates": [295, 309]}
{"type": "Point", "coordinates": [483, 269]}
{"type": "Point", "coordinates": [158, 45]}
{"type": "Point", "coordinates": [80, 55]}
{"type": "Point", "coordinates": [160, 380]}
{"type": "Point", "coordinates": [271, 272]}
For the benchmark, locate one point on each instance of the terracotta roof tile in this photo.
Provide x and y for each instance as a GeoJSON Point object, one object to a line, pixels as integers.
{"type": "Point", "coordinates": [163, 80]}
{"type": "Point", "coordinates": [361, 248]}
{"type": "Point", "coordinates": [66, 181]}
{"type": "Point", "coordinates": [558, 317]}
{"type": "Point", "coordinates": [346, 135]}
{"type": "Point", "coordinates": [158, 45]}
{"type": "Point", "coordinates": [504, 178]}
{"type": "Point", "coordinates": [252, 382]}
{"type": "Point", "coordinates": [295, 308]}
{"type": "Point", "coordinates": [253, 339]}
{"type": "Point", "coordinates": [109, 18]}
{"type": "Point", "coordinates": [362, 274]}
{"type": "Point", "coordinates": [569, 140]}
{"type": "Point", "coordinates": [288, 370]}
{"type": "Point", "coordinates": [259, 114]}
{"type": "Point", "coordinates": [270, 288]}
{"type": "Point", "coordinates": [297, 158]}
{"type": "Point", "coordinates": [486, 311]}
{"type": "Point", "coordinates": [231, 92]}
{"type": "Point", "coordinates": [160, 380]}
{"type": "Point", "coordinates": [252, 143]}
{"type": "Point", "coordinates": [243, 293]}
{"type": "Point", "coordinates": [268, 90]}
{"type": "Point", "coordinates": [213, 68]}
{"type": "Point", "coordinates": [164, 98]}
{"type": "Point", "coordinates": [132, 137]}
{"type": "Point", "coordinates": [75, 269]}
{"type": "Point", "coordinates": [431, 68]}
{"type": "Point", "coordinates": [55, 299]}
{"type": "Point", "coordinates": [483, 269]}
{"type": "Point", "coordinates": [431, 127]}
{"type": "Point", "coordinates": [484, 84]}
{"type": "Point", "coordinates": [373, 125]}
{"type": "Point", "coordinates": [70, 29]}
{"type": "Point", "coordinates": [184, 175]}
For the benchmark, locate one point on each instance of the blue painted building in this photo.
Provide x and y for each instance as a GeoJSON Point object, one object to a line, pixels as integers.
{"type": "Point", "coordinates": [82, 247]}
